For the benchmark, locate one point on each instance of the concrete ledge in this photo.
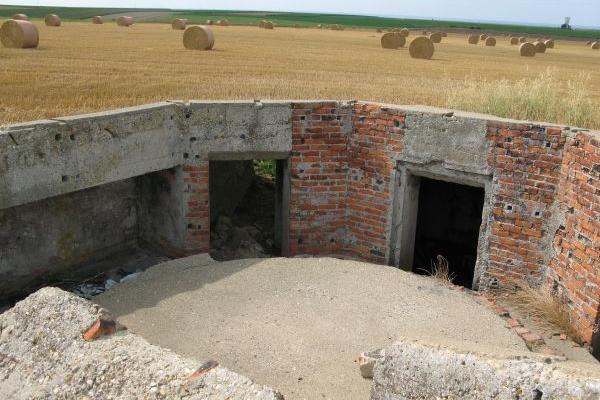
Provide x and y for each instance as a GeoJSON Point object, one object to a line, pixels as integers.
{"type": "Point", "coordinates": [419, 370]}
{"type": "Point", "coordinates": [43, 355]}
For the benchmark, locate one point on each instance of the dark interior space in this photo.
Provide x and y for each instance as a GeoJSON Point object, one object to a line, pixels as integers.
{"type": "Point", "coordinates": [245, 209]}
{"type": "Point", "coordinates": [448, 224]}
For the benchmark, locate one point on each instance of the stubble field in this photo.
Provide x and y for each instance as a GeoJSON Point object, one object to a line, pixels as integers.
{"type": "Point", "coordinates": [81, 67]}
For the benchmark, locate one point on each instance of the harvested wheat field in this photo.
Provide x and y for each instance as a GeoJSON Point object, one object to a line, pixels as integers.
{"type": "Point", "coordinates": [85, 67]}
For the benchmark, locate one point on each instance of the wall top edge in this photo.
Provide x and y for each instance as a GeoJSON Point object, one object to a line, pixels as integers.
{"type": "Point", "coordinates": [408, 108]}
{"type": "Point", "coordinates": [419, 108]}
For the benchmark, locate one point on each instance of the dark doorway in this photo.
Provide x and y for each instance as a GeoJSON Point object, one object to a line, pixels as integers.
{"type": "Point", "coordinates": [448, 221]}
{"type": "Point", "coordinates": [246, 208]}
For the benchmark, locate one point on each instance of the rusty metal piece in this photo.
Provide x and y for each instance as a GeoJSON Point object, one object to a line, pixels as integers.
{"type": "Point", "coordinates": [204, 368]}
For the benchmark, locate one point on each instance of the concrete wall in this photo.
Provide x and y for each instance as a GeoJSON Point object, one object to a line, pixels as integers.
{"type": "Point", "coordinates": [353, 168]}
{"type": "Point", "coordinates": [57, 235]}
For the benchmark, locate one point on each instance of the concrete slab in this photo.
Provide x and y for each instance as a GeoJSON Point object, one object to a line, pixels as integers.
{"type": "Point", "coordinates": [297, 325]}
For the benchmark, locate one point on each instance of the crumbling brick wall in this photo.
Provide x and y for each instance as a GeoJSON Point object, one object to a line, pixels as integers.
{"type": "Point", "coordinates": [196, 208]}
{"type": "Point", "coordinates": [525, 160]}
{"type": "Point", "coordinates": [375, 141]}
{"type": "Point", "coordinates": [318, 171]}
{"type": "Point", "coordinates": [575, 268]}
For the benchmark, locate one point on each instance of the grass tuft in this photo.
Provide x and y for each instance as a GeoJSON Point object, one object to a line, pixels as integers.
{"type": "Point", "coordinates": [440, 270]}
{"type": "Point", "coordinates": [542, 98]}
{"type": "Point", "coordinates": [542, 305]}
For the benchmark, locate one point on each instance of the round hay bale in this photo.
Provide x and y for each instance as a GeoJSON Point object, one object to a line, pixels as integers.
{"type": "Point", "coordinates": [490, 42]}
{"type": "Point", "coordinates": [421, 47]}
{"type": "Point", "coordinates": [540, 47]}
{"type": "Point", "coordinates": [527, 50]}
{"type": "Point", "coordinates": [404, 32]}
{"type": "Point", "coordinates": [223, 22]}
{"type": "Point", "coordinates": [549, 44]}
{"type": "Point", "coordinates": [20, 17]}
{"type": "Point", "coordinates": [514, 41]}
{"type": "Point", "coordinates": [97, 20]}
{"type": "Point", "coordinates": [52, 20]}
{"type": "Point", "coordinates": [198, 38]}
{"type": "Point", "coordinates": [269, 25]}
{"type": "Point", "coordinates": [125, 20]}
{"type": "Point", "coordinates": [436, 37]}
{"type": "Point", "coordinates": [391, 40]}
{"type": "Point", "coordinates": [19, 34]}
{"type": "Point", "coordinates": [595, 45]}
{"type": "Point", "coordinates": [522, 39]}
{"type": "Point", "coordinates": [379, 31]}
{"type": "Point", "coordinates": [209, 22]}
{"type": "Point", "coordinates": [178, 24]}
{"type": "Point", "coordinates": [424, 33]}
{"type": "Point", "coordinates": [473, 39]}
{"type": "Point", "coordinates": [483, 37]}
{"type": "Point", "coordinates": [397, 30]}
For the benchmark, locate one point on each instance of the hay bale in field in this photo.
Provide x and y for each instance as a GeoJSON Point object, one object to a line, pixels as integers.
{"type": "Point", "coordinates": [549, 44]}
{"type": "Point", "coordinates": [540, 47]}
{"type": "Point", "coordinates": [527, 49]}
{"type": "Point", "coordinates": [19, 34]}
{"type": "Point", "coordinates": [483, 37]}
{"type": "Point", "coordinates": [209, 22]}
{"type": "Point", "coordinates": [268, 25]}
{"type": "Point", "coordinates": [223, 22]}
{"type": "Point", "coordinates": [473, 39]}
{"type": "Point", "coordinates": [424, 33]}
{"type": "Point", "coordinates": [198, 38]}
{"type": "Point", "coordinates": [178, 24]}
{"type": "Point", "coordinates": [490, 42]}
{"type": "Point", "coordinates": [379, 30]}
{"type": "Point", "coordinates": [595, 45]}
{"type": "Point", "coordinates": [404, 32]}
{"type": "Point", "coordinates": [514, 41]}
{"type": "Point", "coordinates": [436, 37]}
{"type": "Point", "coordinates": [52, 20]}
{"type": "Point", "coordinates": [396, 30]}
{"type": "Point", "coordinates": [125, 20]}
{"type": "Point", "coordinates": [97, 20]}
{"type": "Point", "coordinates": [522, 39]}
{"type": "Point", "coordinates": [392, 40]}
{"type": "Point", "coordinates": [421, 47]}
{"type": "Point", "coordinates": [20, 17]}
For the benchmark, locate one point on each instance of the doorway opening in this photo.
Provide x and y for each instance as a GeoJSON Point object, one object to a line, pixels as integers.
{"type": "Point", "coordinates": [248, 207]}
{"type": "Point", "coordinates": [448, 222]}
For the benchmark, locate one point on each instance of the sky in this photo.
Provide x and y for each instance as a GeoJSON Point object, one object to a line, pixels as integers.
{"type": "Point", "coordinates": [550, 12]}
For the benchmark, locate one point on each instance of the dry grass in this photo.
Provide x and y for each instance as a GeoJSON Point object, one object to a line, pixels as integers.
{"type": "Point", "coordinates": [537, 99]}
{"type": "Point", "coordinates": [440, 270]}
{"type": "Point", "coordinates": [83, 67]}
{"type": "Point", "coordinates": [544, 307]}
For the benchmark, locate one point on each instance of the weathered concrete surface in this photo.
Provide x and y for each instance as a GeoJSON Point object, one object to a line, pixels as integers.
{"type": "Point", "coordinates": [237, 130]}
{"type": "Point", "coordinates": [411, 369]}
{"type": "Point", "coordinates": [43, 356]}
{"type": "Point", "coordinates": [299, 324]}
{"type": "Point", "coordinates": [49, 158]}
{"type": "Point", "coordinates": [456, 143]}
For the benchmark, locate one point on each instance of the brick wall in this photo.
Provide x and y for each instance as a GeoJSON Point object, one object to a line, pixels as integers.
{"type": "Point", "coordinates": [318, 170]}
{"type": "Point", "coordinates": [196, 208]}
{"type": "Point", "coordinates": [525, 160]}
{"type": "Point", "coordinates": [575, 268]}
{"type": "Point", "coordinates": [374, 144]}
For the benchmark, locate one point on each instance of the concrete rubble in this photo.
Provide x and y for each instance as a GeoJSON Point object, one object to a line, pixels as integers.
{"type": "Point", "coordinates": [412, 369]}
{"type": "Point", "coordinates": [44, 356]}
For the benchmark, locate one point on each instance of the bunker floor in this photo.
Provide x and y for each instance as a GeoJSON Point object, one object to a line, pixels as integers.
{"type": "Point", "coordinates": [297, 325]}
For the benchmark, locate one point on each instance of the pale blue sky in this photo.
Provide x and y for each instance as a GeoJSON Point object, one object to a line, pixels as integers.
{"type": "Point", "coordinates": [583, 12]}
